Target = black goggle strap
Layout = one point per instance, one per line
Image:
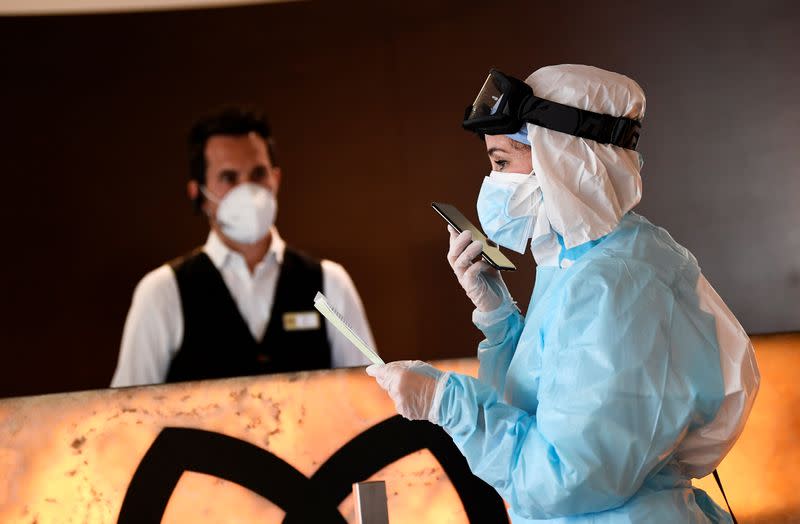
(605, 129)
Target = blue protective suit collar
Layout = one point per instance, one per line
(572, 254)
(552, 250)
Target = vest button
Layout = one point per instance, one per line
(263, 359)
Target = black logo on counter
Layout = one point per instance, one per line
(302, 499)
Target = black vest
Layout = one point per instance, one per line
(217, 342)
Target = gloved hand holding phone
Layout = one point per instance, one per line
(482, 283)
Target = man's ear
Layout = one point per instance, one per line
(195, 195)
(193, 190)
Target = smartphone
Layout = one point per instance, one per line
(491, 253)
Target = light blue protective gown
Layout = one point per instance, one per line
(581, 404)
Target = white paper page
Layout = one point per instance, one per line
(322, 305)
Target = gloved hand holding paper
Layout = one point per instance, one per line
(335, 318)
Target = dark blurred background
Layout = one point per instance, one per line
(365, 100)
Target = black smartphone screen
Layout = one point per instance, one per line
(491, 253)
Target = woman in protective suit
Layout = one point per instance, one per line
(628, 376)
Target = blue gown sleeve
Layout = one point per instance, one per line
(502, 329)
(612, 401)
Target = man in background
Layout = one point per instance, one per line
(242, 304)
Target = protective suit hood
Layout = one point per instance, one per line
(587, 186)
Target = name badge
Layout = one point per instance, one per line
(301, 321)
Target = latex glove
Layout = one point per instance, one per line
(412, 385)
(482, 283)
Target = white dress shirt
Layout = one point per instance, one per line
(154, 328)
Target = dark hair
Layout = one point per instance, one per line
(231, 121)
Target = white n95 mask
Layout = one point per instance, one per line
(507, 207)
(246, 213)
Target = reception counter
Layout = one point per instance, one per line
(287, 448)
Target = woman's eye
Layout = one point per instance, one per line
(500, 164)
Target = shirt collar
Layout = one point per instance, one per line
(219, 253)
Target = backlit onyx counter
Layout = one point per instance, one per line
(287, 448)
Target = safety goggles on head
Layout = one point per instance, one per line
(505, 103)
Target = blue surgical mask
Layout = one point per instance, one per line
(507, 207)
